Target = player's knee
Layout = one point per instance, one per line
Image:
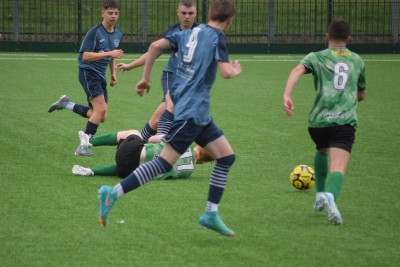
(104, 117)
(227, 161)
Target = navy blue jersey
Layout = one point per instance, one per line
(172, 60)
(199, 51)
(99, 40)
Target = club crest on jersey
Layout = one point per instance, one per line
(116, 42)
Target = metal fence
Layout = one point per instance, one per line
(257, 21)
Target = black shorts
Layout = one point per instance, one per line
(341, 136)
(127, 156)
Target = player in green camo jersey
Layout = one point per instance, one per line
(131, 153)
(338, 75)
(339, 80)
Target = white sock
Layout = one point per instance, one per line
(70, 106)
(210, 207)
(119, 189)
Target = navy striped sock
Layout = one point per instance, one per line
(146, 132)
(144, 173)
(219, 178)
(81, 110)
(165, 122)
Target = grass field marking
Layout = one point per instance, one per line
(25, 55)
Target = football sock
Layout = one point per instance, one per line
(211, 207)
(144, 173)
(335, 182)
(91, 128)
(105, 140)
(321, 170)
(165, 122)
(146, 132)
(119, 190)
(81, 110)
(218, 180)
(107, 170)
(70, 106)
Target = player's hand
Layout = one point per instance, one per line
(237, 67)
(113, 81)
(142, 86)
(288, 106)
(117, 53)
(122, 67)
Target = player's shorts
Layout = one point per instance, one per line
(341, 136)
(127, 156)
(166, 81)
(92, 84)
(183, 133)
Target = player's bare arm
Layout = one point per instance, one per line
(155, 50)
(230, 69)
(134, 64)
(94, 56)
(294, 76)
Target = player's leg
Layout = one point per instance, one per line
(142, 175)
(146, 172)
(150, 128)
(167, 117)
(339, 159)
(223, 152)
(111, 139)
(321, 173)
(97, 96)
(341, 143)
(321, 139)
(97, 115)
(105, 170)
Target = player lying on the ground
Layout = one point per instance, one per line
(132, 152)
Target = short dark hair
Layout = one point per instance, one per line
(339, 30)
(187, 3)
(221, 10)
(110, 4)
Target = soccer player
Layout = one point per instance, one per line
(200, 52)
(131, 153)
(98, 50)
(339, 79)
(186, 13)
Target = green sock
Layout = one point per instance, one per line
(105, 140)
(321, 170)
(106, 170)
(335, 182)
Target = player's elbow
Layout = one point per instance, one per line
(361, 95)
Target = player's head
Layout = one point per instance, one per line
(110, 12)
(187, 11)
(339, 30)
(110, 4)
(221, 10)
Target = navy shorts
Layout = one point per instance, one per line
(93, 84)
(183, 133)
(341, 136)
(127, 156)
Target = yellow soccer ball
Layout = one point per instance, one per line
(302, 177)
